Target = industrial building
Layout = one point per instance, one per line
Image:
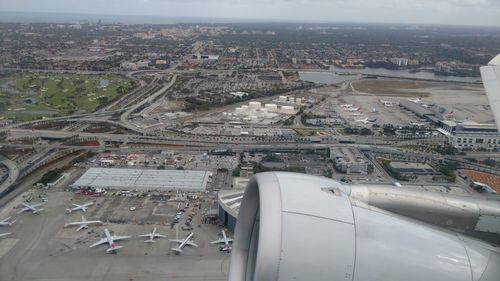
(471, 135)
(143, 179)
(411, 168)
(349, 160)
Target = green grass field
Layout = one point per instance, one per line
(36, 95)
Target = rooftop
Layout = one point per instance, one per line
(143, 179)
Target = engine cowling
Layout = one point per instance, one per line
(301, 227)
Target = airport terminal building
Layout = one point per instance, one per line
(229, 205)
(471, 135)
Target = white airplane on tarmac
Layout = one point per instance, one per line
(111, 241)
(152, 235)
(367, 120)
(182, 243)
(77, 207)
(31, 208)
(5, 234)
(415, 100)
(7, 222)
(83, 224)
(351, 109)
(225, 241)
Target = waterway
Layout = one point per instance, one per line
(338, 75)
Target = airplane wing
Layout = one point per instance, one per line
(160, 235)
(72, 223)
(100, 242)
(491, 81)
(218, 241)
(5, 220)
(4, 234)
(144, 235)
(116, 238)
(23, 210)
(190, 243)
(36, 205)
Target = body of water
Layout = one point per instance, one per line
(339, 75)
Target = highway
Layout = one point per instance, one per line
(124, 117)
(13, 174)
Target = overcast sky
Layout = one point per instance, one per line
(463, 12)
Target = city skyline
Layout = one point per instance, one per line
(449, 12)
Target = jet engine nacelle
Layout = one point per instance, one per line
(300, 227)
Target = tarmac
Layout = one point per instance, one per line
(41, 249)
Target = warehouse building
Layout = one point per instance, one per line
(143, 179)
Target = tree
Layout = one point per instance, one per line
(366, 132)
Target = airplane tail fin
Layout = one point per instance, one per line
(176, 250)
(113, 248)
(81, 227)
(12, 222)
(69, 210)
(38, 211)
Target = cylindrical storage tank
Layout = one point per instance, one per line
(298, 100)
(301, 227)
(238, 111)
(286, 109)
(291, 100)
(271, 107)
(254, 105)
(282, 98)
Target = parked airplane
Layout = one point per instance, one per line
(225, 240)
(388, 103)
(152, 235)
(7, 222)
(351, 109)
(82, 224)
(31, 208)
(417, 124)
(77, 207)
(182, 243)
(415, 100)
(347, 105)
(5, 234)
(367, 120)
(111, 241)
